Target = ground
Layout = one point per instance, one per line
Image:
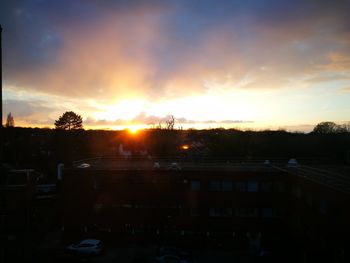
(52, 250)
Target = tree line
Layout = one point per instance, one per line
(70, 120)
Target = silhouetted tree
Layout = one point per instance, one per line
(69, 121)
(10, 122)
(326, 127)
(344, 127)
(170, 123)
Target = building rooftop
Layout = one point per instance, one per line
(169, 164)
(334, 176)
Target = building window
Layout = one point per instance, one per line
(194, 212)
(97, 207)
(252, 186)
(223, 186)
(323, 206)
(267, 212)
(280, 187)
(266, 187)
(247, 212)
(309, 199)
(240, 186)
(195, 185)
(280, 212)
(220, 212)
(215, 186)
(296, 191)
(226, 186)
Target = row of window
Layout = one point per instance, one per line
(298, 192)
(242, 236)
(266, 212)
(229, 186)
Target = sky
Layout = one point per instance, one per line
(252, 64)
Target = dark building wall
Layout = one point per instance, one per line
(200, 201)
(208, 203)
(16, 204)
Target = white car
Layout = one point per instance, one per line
(86, 247)
(170, 259)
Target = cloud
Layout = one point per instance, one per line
(327, 78)
(31, 112)
(115, 50)
(228, 121)
(345, 89)
(144, 119)
(24, 109)
(337, 62)
(158, 51)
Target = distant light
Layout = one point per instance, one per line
(185, 147)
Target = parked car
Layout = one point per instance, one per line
(170, 259)
(265, 256)
(143, 259)
(86, 247)
(168, 250)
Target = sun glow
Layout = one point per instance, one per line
(133, 129)
(124, 109)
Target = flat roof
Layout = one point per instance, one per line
(334, 176)
(169, 164)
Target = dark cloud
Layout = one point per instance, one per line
(159, 50)
(24, 109)
(165, 48)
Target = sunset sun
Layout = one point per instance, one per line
(133, 129)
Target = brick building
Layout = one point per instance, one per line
(249, 206)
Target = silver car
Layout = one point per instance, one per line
(86, 247)
(170, 259)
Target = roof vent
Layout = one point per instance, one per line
(174, 166)
(156, 165)
(267, 162)
(83, 165)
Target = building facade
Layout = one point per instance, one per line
(248, 206)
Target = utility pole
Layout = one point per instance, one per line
(1, 128)
(2, 235)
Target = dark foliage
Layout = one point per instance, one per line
(329, 127)
(69, 121)
(43, 149)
